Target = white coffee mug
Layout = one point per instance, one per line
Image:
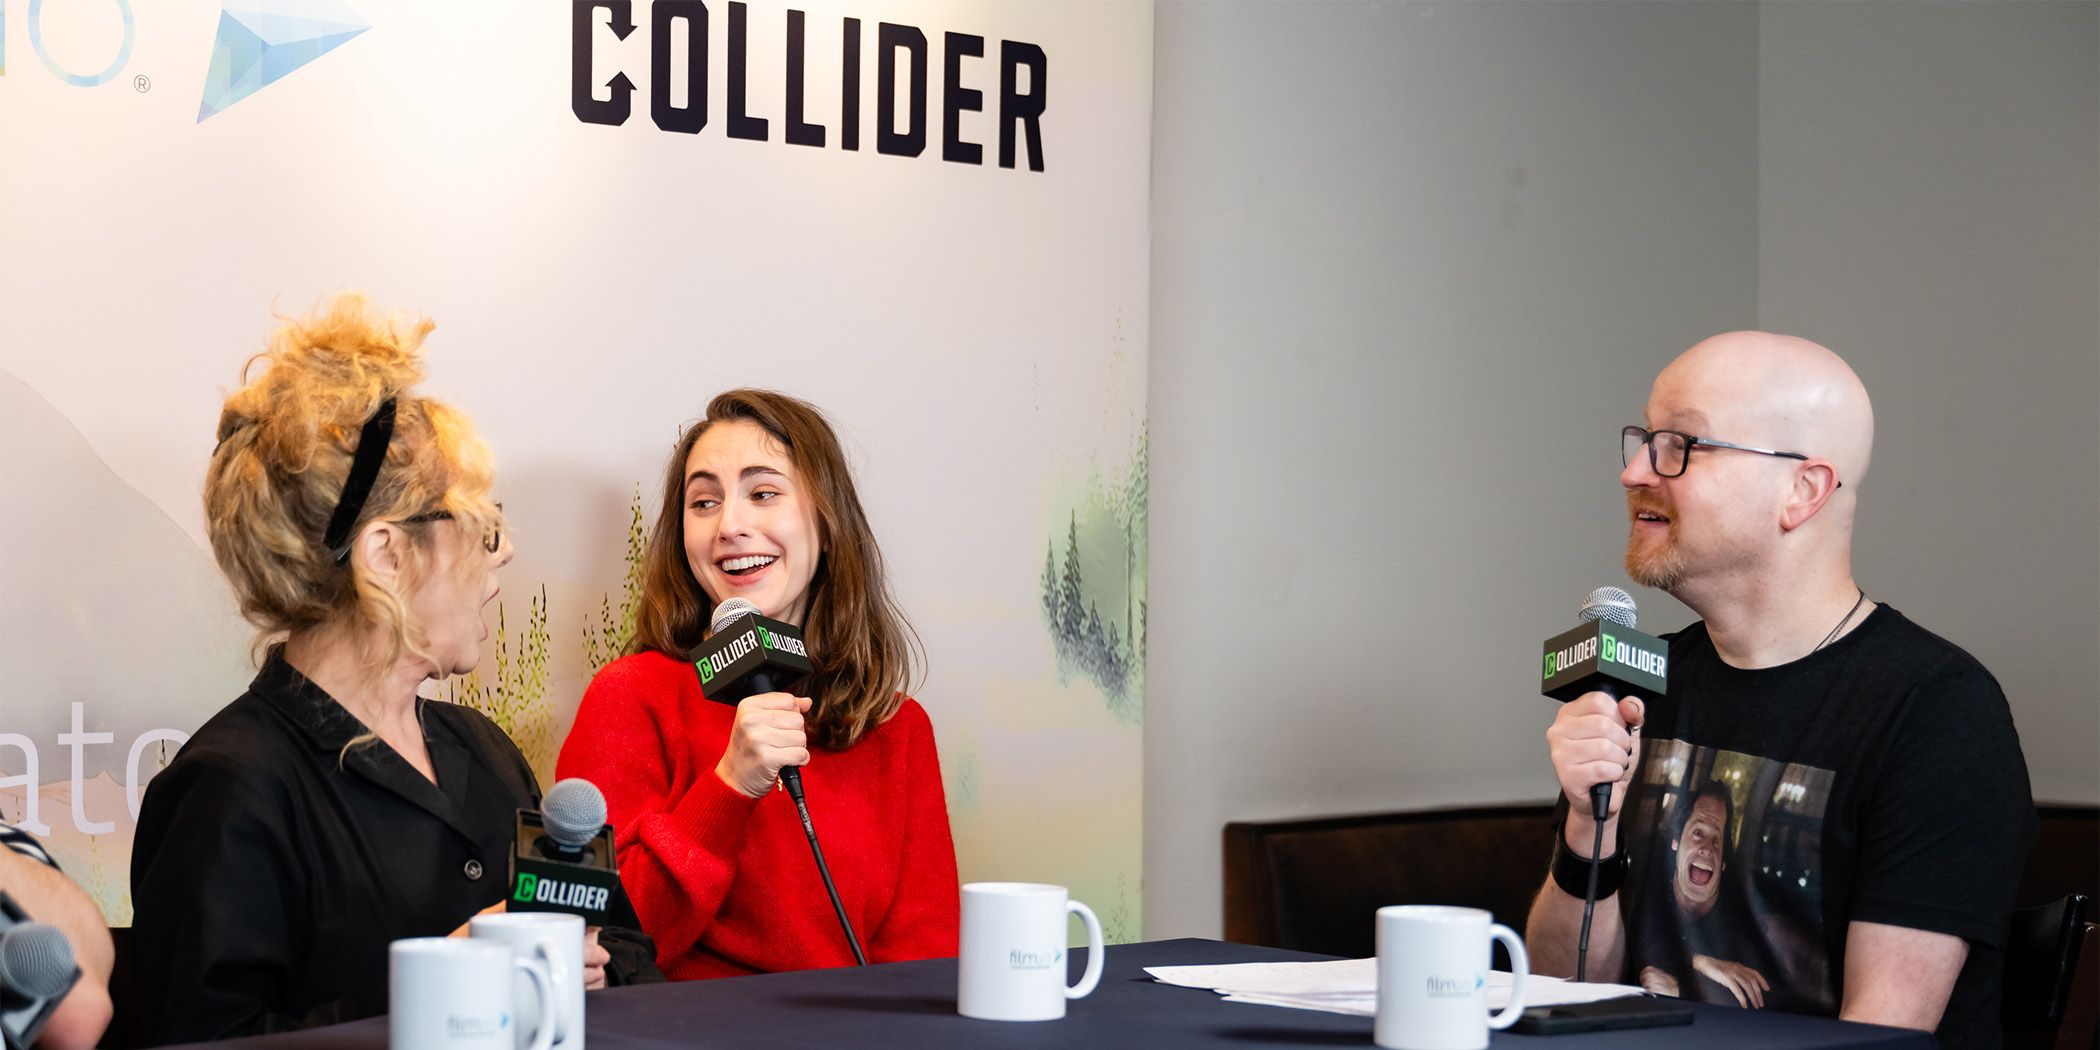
(556, 941)
(454, 993)
(1433, 964)
(1013, 951)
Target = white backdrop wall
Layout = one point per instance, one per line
(977, 333)
(1413, 266)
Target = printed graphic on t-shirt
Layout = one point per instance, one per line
(1725, 888)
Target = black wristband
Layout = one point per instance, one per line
(1572, 873)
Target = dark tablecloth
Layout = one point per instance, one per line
(913, 1005)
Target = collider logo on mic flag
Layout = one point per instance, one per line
(1579, 660)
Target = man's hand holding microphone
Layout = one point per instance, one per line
(1595, 740)
(1598, 671)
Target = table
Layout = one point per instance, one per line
(913, 1005)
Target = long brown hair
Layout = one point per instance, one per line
(865, 653)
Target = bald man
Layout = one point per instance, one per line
(1879, 812)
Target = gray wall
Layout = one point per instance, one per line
(1415, 264)
(1930, 207)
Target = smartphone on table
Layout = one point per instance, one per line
(1633, 1011)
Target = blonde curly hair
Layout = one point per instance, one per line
(286, 441)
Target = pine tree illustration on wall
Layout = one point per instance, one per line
(1103, 645)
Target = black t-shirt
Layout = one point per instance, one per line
(1876, 780)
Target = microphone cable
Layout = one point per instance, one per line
(1600, 805)
(1615, 606)
(791, 779)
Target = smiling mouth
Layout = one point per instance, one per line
(745, 565)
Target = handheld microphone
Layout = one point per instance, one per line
(563, 860)
(1604, 655)
(738, 661)
(573, 811)
(36, 972)
(746, 654)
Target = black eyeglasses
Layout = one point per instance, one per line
(1670, 451)
(492, 541)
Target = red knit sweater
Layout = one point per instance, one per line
(725, 883)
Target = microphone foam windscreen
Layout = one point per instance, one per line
(733, 609)
(1610, 603)
(573, 811)
(36, 960)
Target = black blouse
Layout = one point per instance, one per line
(271, 868)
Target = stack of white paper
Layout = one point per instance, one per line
(1350, 986)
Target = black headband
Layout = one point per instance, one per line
(372, 441)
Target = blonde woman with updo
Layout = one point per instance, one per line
(329, 809)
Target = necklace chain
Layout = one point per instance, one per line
(1849, 614)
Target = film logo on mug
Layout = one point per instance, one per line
(1013, 951)
(1041, 959)
(476, 1026)
(450, 993)
(1432, 978)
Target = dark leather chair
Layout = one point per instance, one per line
(2066, 855)
(2080, 1027)
(2042, 961)
(1314, 885)
(2052, 985)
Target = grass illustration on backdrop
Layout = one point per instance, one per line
(962, 784)
(105, 878)
(1094, 597)
(604, 639)
(1117, 924)
(514, 695)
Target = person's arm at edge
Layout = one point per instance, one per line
(49, 897)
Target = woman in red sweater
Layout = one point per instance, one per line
(758, 504)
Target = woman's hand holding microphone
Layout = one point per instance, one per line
(766, 737)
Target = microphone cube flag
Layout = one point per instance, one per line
(584, 886)
(748, 652)
(1603, 655)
